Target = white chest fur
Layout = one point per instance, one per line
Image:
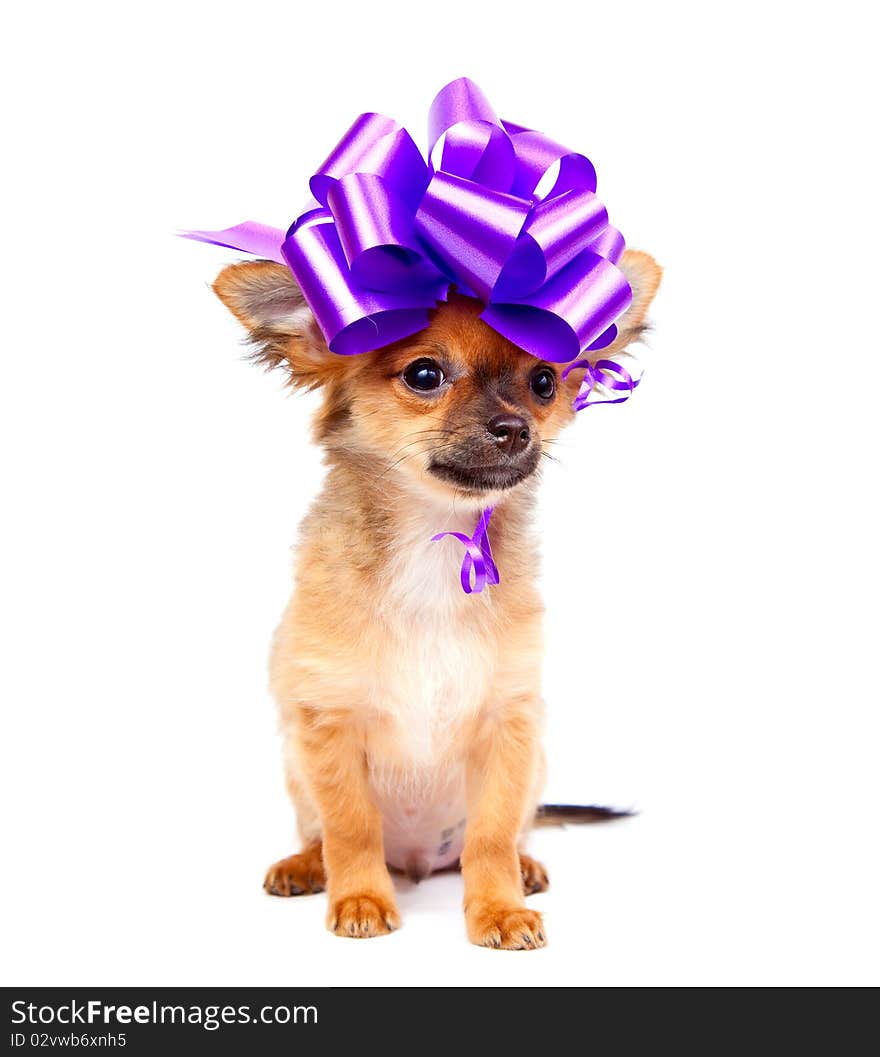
(439, 657)
(435, 673)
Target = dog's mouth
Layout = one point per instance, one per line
(483, 478)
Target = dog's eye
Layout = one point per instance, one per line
(543, 383)
(424, 375)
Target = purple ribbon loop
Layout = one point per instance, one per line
(557, 230)
(477, 556)
(357, 319)
(568, 314)
(378, 146)
(377, 234)
(471, 228)
(507, 214)
(540, 159)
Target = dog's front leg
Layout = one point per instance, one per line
(361, 895)
(501, 773)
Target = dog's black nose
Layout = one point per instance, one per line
(511, 433)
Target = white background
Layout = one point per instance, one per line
(711, 569)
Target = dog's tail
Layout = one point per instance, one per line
(562, 814)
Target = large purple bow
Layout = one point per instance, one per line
(506, 214)
(503, 212)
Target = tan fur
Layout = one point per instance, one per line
(395, 688)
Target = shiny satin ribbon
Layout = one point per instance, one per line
(503, 212)
(478, 567)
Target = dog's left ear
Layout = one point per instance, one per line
(643, 274)
(265, 297)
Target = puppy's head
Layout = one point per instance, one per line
(456, 409)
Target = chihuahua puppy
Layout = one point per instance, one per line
(411, 711)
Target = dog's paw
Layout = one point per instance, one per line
(504, 927)
(534, 876)
(362, 916)
(297, 875)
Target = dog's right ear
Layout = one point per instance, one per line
(265, 297)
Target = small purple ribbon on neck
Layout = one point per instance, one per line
(477, 556)
(503, 212)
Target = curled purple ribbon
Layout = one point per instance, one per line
(502, 211)
(607, 373)
(477, 556)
